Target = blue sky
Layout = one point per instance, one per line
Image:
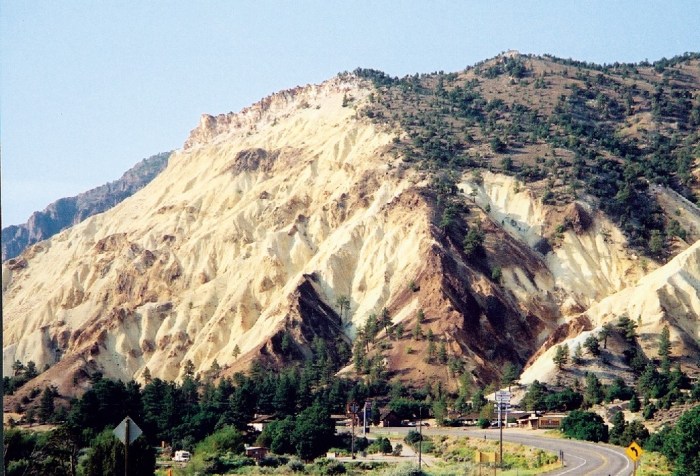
(88, 88)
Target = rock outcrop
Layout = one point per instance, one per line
(66, 212)
(268, 216)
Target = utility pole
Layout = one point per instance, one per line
(500, 427)
(503, 404)
(420, 432)
(353, 407)
(364, 419)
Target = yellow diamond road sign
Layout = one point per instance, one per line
(634, 451)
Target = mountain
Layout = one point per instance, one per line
(66, 212)
(439, 225)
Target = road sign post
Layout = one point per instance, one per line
(503, 402)
(634, 451)
(127, 432)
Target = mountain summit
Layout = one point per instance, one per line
(433, 227)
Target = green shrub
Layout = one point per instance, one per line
(295, 465)
(585, 426)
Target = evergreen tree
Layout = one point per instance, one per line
(511, 373)
(473, 242)
(683, 443)
(593, 393)
(417, 332)
(189, 368)
(431, 351)
(605, 332)
(618, 428)
(343, 303)
(442, 353)
(313, 431)
(385, 320)
(628, 328)
(634, 431)
(591, 343)
(46, 406)
(478, 400)
(534, 398)
(585, 426)
(665, 346)
(375, 413)
(634, 405)
(561, 356)
(618, 390)
(371, 328)
(106, 457)
(30, 372)
(578, 355)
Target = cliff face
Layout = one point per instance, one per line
(267, 217)
(67, 212)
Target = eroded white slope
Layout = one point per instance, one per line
(669, 296)
(583, 266)
(205, 258)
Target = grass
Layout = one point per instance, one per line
(653, 464)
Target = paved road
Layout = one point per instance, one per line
(580, 457)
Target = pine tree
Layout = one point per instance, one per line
(188, 368)
(343, 303)
(618, 428)
(236, 352)
(385, 319)
(605, 332)
(46, 406)
(561, 356)
(417, 331)
(398, 331)
(591, 343)
(442, 353)
(593, 393)
(665, 347)
(634, 405)
(431, 352)
(511, 372)
(578, 355)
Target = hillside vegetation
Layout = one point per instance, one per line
(565, 127)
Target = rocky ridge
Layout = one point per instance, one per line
(69, 211)
(266, 217)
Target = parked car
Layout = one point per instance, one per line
(182, 456)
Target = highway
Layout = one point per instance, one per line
(580, 457)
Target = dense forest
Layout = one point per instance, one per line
(212, 414)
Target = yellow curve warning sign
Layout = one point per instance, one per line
(634, 451)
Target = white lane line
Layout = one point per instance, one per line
(623, 471)
(575, 467)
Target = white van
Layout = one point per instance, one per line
(182, 456)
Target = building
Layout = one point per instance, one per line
(550, 422)
(256, 452)
(545, 421)
(261, 421)
(389, 418)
